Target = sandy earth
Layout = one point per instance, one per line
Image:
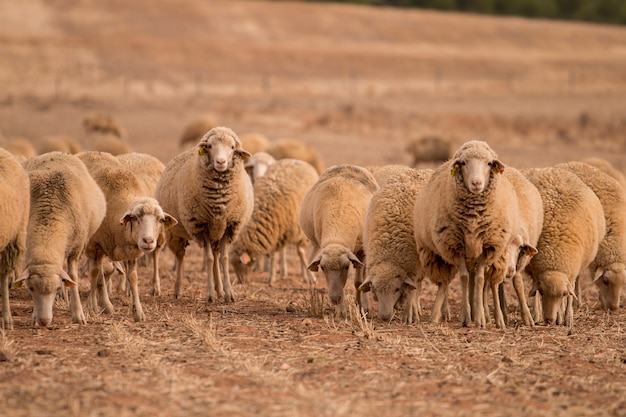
(357, 83)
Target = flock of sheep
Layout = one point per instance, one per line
(243, 202)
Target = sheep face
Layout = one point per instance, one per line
(242, 264)
(610, 281)
(219, 148)
(43, 283)
(144, 221)
(391, 288)
(335, 260)
(517, 255)
(474, 163)
(553, 287)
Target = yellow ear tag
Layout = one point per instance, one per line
(201, 151)
(455, 170)
(68, 284)
(18, 284)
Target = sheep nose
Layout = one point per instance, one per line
(148, 240)
(44, 322)
(335, 299)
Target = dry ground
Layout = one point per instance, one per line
(357, 83)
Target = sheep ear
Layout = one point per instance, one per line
(570, 290)
(356, 263)
(529, 250)
(18, 282)
(497, 167)
(366, 286)
(409, 283)
(456, 167)
(169, 221)
(245, 155)
(245, 258)
(313, 266)
(126, 218)
(596, 276)
(67, 281)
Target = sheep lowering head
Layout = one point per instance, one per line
(335, 262)
(609, 280)
(474, 163)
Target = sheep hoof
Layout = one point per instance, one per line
(229, 298)
(8, 323)
(139, 316)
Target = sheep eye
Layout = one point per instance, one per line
(346, 267)
(605, 281)
(31, 288)
(322, 268)
(397, 289)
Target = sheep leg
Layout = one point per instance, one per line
(537, 310)
(440, 299)
(487, 313)
(78, 315)
(103, 287)
(307, 275)
(497, 311)
(131, 271)
(577, 301)
(156, 279)
(569, 311)
(518, 284)
(479, 285)
(92, 302)
(465, 305)
(503, 306)
(282, 259)
(411, 312)
(272, 271)
(7, 319)
(180, 257)
(210, 281)
(362, 299)
(229, 297)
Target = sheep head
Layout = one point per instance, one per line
(144, 221)
(553, 287)
(610, 281)
(474, 163)
(390, 288)
(220, 147)
(335, 260)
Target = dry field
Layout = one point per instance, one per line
(357, 83)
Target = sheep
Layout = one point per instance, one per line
(60, 143)
(606, 167)
(19, 146)
(429, 149)
(258, 164)
(111, 144)
(66, 209)
(102, 123)
(207, 189)
(573, 228)
(194, 131)
(14, 210)
(148, 170)
(608, 269)
(131, 227)
(464, 218)
(332, 215)
(392, 266)
(254, 142)
(274, 221)
(290, 148)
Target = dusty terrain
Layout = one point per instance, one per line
(357, 83)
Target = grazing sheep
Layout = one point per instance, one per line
(58, 143)
(608, 168)
(332, 215)
(429, 149)
(14, 209)
(464, 219)
(102, 123)
(254, 142)
(148, 170)
(274, 222)
(19, 146)
(131, 227)
(207, 189)
(66, 209)
(111, 144)
(290, 148)
(258, 164)
(194, 131)
(393, 270)
(608, 269)
(573, 227)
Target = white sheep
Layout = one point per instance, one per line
(295, 149)
(429, 149)
(148, 170)
(58, 143)
(111, 144)
(393, 271)
(103, 123)
(207, 189)
(14, 209)
(608, 168)
(274, 222)
(131, 227)
(66, 209)
(464, 220)
(258, 164)
(573, 228)
(608, 269)
(332, 215)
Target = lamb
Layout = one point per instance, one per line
(131, 227)
(573, 228)
(207, 189)
(464, 220)
(290, 148)
(332, 216)
(274, 222)
(195, 130)
(606, 167)
(429, 149)
(608, 269)
(66, 209)
(254, 142)
(393, 269)
(14, 209)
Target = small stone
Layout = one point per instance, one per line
(285, 366)
(291, 308)
(103, 353)
(307, 322)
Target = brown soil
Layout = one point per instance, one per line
(357, 83)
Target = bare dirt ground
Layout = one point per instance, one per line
(357, 83)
